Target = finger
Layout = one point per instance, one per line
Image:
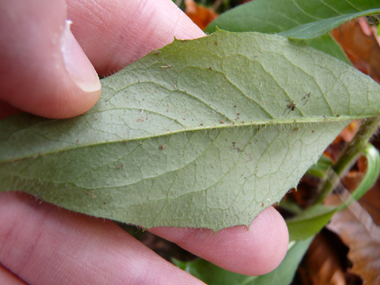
(8, 278)
(43, 70)
(115, 33)
(256, 251)
(40, 243)
(7, 110)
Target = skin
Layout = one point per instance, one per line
(40, 242)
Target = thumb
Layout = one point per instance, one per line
(43, 69)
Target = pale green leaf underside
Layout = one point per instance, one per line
(217, 168)
(301, 19)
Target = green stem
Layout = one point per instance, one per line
(349, 156)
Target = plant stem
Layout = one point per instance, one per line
(348, 156)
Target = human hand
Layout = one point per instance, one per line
(43, 244)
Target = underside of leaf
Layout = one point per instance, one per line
(202, 133)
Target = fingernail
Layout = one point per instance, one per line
(76, 62)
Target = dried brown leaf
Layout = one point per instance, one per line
(323, 263)
(361, 48)
(200, 15)
(358, 231)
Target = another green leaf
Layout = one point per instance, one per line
(301, 19)
(203, 133)
(309, 222)
(214, 275)
(318, 28)
(310, 20)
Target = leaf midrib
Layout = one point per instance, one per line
(280, 121)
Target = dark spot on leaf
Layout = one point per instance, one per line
(291, 106)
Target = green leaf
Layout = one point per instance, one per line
(165, 144)
(231, 21)
(214, 275)
(309, 222)
(322, 26)
(301, 19)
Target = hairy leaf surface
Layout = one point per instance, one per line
(202, 133)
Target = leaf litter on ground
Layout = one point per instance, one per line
(357, 230)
